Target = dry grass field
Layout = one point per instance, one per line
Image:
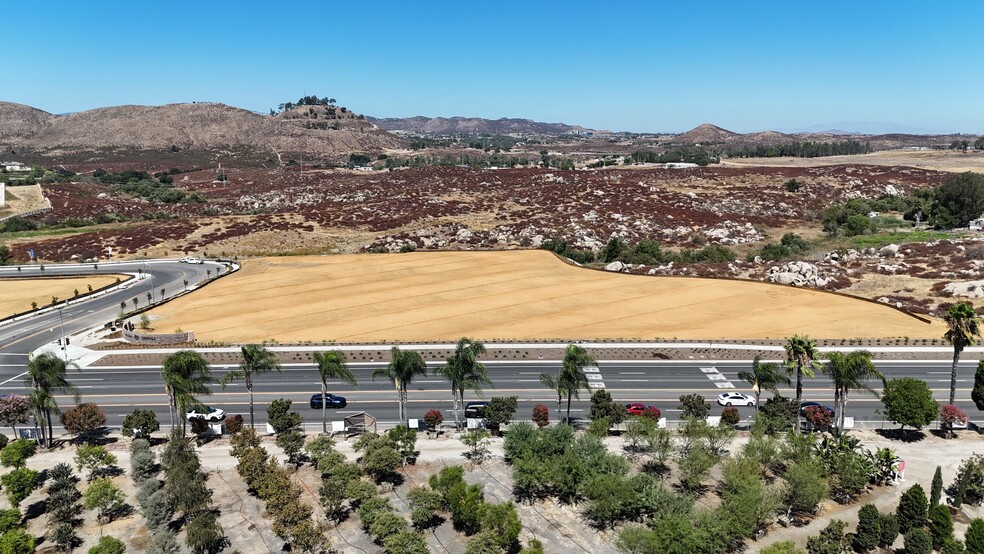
(941, 160)
(528, 294)
(16, 295)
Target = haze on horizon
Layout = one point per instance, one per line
(903, 66)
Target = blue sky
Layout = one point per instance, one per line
(635, 66)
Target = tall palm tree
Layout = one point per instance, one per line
(403, 367)
(763, 376)
(257, 360)
(46, 376)
(464, 371)
(801, 359)
(331, 365)
(850, 373)
(571, 378)
(963, 326)
(185, 374)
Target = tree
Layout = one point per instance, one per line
(850, 373)
(19, 483)
(433, 418)
(940, 524)
(953, 546)
(499, 412)
(963, 327)
(331, 365)
(830, 540)
(463, 371)
(204, 533)
(693, 406)
(104, 496)
(140, 423)
(257, 360)
(404, 440)
(912, 510)
(602, 406)
(909, 401)
(186, 375)
(975, 536)
(959, 199)
(281, 418)
(950, 415)
(806, 485)
(108, 545)
(14, 409)
(763, 377)
(977, 393)
(17, 541)
(292, 443)
(83, 419)
(46, 377)
(936, 491)
(888, 530)
(403, 367)
(477, 441)
(801, 359)
(918, 541)
(541, 415)
(570, 379)
(406, 542)
(869, 529)
(94, 458)
(63, 534)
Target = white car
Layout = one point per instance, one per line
(195, 261)
(735, 399)
(207, 413)
(183, 259)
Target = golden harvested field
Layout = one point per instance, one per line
(16, 295)
(527, 294)
(943, 160)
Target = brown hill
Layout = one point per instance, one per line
(473, 125)
(705, 133)
(197, 126)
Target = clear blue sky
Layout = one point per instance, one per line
(636, 66)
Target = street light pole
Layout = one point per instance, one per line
(64, 346)
(151, 283)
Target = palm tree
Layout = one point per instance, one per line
(331, 365)
(963, 326)
(850, 373)
(464, 371)
(185, 374)
(801, 359)
(46, 376)
(571, 379)
(763, 376)
(257, 360)
(403, 367)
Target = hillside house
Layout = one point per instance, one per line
(14, 166)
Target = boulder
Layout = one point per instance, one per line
(890, 190)
(889, 250)
(786, 278)
(965, 289)
(616, 266)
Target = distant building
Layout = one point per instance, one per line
(14, 166)
(3, 195)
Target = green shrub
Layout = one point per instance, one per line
(17, 452)
(940, 524)
(869, 528)
(912, 510)
(108, 545)
(693, 406)
(888, 530)
(918, 541)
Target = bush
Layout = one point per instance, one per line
(96, 459)
(909, 402)
(940, 524)
(541, 415)
(204, 534)
(830, 540)
(975, 536)
(819, 417)
(693, 406)
(17, 541)
(912, 509)
(143, 466)
(602, 406)
(83, 419)
(918, 541)
(869, 528)
(103, 495)
(433, 418)
(953, 546)
(291, 442)
(234, 424)
(806, 486)
(108, 545)
(730, 416)
(888, 530)
(140, 423)
(968, 487)
(19, 483)
(17, 452)
(9, 519)
(3, 440)
(949, 416)
(280, 416)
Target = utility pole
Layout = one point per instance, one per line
(64, 343)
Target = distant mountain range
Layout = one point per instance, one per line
(473, 125)
(712, 134)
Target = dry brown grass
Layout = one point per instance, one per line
(506, 295)
(942, 160)
(16, 295)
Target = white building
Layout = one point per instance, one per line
(3, 195)
(15, 166)
(976, 224)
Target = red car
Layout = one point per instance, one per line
(638, 408)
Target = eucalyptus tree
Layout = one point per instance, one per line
(963, 327)
(403, 367)
(257, 360)
(570, 380)
(186, 375)
(764, 377)
(463, 371)
(331, 365)
(45, 376)
(850, 373)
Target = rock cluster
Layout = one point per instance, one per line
(965, 289)
(800, 274)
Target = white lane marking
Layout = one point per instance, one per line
(596, 385)
(726, 385)
(593, 377)
(631, 372)
(717, 377)
(709, 369)
(12, 378)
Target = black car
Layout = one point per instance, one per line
(811, 404)
(333, 401)
(475, 410)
